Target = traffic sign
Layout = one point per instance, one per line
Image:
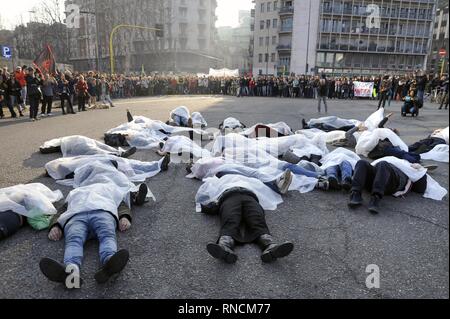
(442, 53)
(6, 52)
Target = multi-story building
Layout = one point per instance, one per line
(186, 43)
(438, 64)
(233, 44)
(347, 36)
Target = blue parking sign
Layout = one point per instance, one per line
(6, 52)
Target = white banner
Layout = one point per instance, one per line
(224, 72)
(363, 89)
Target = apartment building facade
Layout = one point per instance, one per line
(187, 41)
(438, 64)
(347, 36)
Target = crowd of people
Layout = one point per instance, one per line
(28, 86)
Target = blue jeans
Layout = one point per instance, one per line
(297, 170)
(340, 172)
(89, 225)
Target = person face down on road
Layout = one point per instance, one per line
(99, 204)
(31, 204)
(236, 199)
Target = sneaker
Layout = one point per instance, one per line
(138, 198)
(113, 266)
(323, 185)
(50, 114)
(355, 200)
(334, 183)
(284, 181)
(374, 205)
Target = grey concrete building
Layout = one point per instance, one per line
(187, 42)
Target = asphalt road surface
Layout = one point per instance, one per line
(409, 241)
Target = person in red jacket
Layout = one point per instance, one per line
(82, 93)
(20, 78)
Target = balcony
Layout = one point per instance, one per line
(285, 29)
(284, 47)
(286, 11)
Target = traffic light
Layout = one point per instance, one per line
(160, 31)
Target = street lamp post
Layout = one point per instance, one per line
(307, 44)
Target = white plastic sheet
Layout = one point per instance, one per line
(30, 200)
(439, 154)
(214, 187)
(81, 145)
(338, 156)
(415, 172)
(369, 140)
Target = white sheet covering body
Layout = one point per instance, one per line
(415, 172)
(136, 171)
(441, 134)
(98, 186)
(214, 187)
(81, 145)
(30, 200)
(439, 154)
(368, 140)
(145, 133)
(333, 121)
(280, 127)
(184, 145)
(338, 156)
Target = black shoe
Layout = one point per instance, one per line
(347, 184)
(355, 200)
(129, 153)
(305, 125)
(138, 199)
(53, 270)
(223, 250)
(316, 159)
(113, 266)
(165, 163)
(272, 251)
(334, 183)
(129, 116)
(374, 205)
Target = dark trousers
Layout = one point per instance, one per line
(242, 210)
(383, 99)
(382, 179)
(10, 223)
(426, 145)
(379, 180)
(81, 103)
(34, 106)
(47, 104)
(65, 97)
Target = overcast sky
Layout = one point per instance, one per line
(17, 11)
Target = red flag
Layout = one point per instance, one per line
(45, 62)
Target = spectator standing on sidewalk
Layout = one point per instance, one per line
(81, 90)
(48, 90)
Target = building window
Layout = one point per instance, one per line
(261, 41)
(275, 23)
(267, 41)
(266, 57)
(275, 5)
(260, 58)
(272, 58)
(267, 24)
(263, 5)
(268, 6)
(274, 40)
(261, 24)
